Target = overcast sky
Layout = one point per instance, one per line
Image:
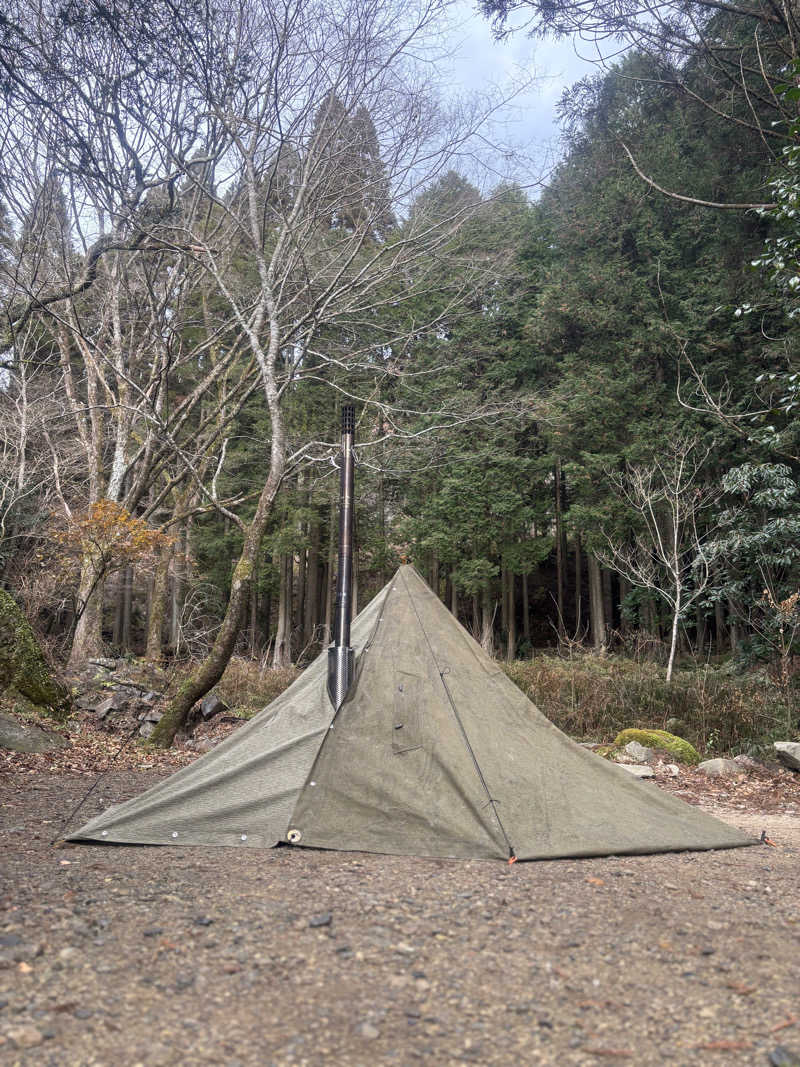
(479, 60)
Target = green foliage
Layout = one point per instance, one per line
(596, 697)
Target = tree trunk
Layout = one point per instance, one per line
(476, 616)
(254, 630)
(511, 646)
(453, 597)
(578, 584)
(700, 630)
(87, 640)
(180, 581)
(119, 609)
(211, 669)
(673, 645)
(503, 599)
(608, 599)
(559, 545)
(733, 626)
(719, 625)
(526, 613)
(596, 610)
(154, 648)
(435, 572)
(282, 653)
(487, 636)
(311, 618)
(624, 589)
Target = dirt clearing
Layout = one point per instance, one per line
(161, 956)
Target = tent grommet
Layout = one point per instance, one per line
(293, 836)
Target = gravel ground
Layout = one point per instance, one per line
(161, 956)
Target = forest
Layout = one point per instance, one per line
(576, 398)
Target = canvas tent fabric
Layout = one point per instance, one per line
(435, 752)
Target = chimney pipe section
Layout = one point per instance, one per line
(341, 659)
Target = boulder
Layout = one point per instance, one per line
(720, 768)
(114, 702)
(637, 770)
(679, 749)
(637, 752)
(104, 662)
(24, 737)
(149, 723)
(22, 663)
(788, 752)
(211, 705)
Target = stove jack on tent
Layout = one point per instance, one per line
(341, 657)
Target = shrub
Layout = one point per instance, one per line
(595, 697)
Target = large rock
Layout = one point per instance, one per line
(211, 706)
(24, 737)
(788, 753)
(22, 664)
(116, 702)
(637, 770)
(638, 752)
(720, 768)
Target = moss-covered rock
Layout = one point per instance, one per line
(676, 746)
(22, 663)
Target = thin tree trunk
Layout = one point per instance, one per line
(608, 598)
(503, 599)
(673, 645)
(511, 646)
(578, 585)
(700, 631)
(154, 648)
(487, 636)
(435, 572)
(453, 597)
(719, 625)
(119, 609)
(559, 544)
(281, 655)
(476, 615)
(312, 581)
(596, 610)
(526, 613)
(733, 626)
(212, 667)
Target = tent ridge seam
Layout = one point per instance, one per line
(442, 672)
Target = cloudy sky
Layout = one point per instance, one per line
(479, 60)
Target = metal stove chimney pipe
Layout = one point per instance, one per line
(341, 659)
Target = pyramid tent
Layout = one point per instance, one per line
(435, 752)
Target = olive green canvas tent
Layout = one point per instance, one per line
(435, 752)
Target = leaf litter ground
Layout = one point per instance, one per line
(161, 956)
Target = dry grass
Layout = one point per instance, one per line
(247, 686)
(594, 697)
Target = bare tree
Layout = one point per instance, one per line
(666, 552)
